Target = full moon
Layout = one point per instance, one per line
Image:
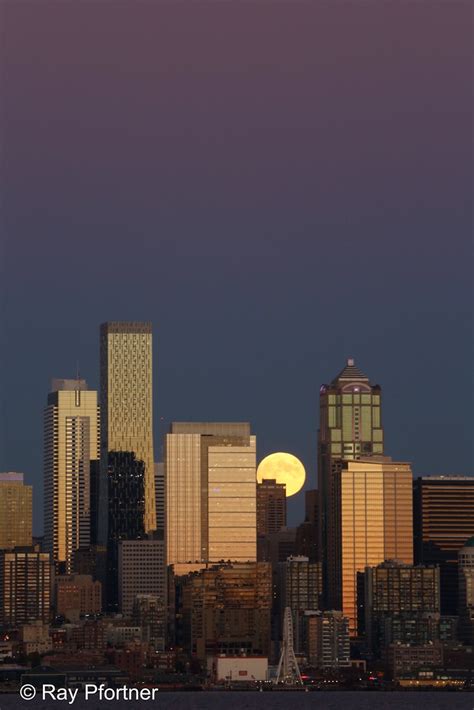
(284, 468)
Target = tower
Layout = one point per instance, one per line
(373, 522)
(126, 407)
(350, 427)
(71, 445)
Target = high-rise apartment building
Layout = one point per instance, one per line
(443, 517)
(25, 586)
(373, 501)
(16, 517)
(71, 445)
(299, 589)
(126, 400)
(350, 427)
(326, 639)
(398, 598)
(211, 513)
(224, 609)
(271, 506)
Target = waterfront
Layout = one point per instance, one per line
(330, 700)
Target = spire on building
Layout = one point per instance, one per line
(350, 373)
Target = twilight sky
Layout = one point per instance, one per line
(276, 185)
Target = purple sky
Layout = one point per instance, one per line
(276, 185)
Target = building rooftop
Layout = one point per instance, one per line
(350, 373)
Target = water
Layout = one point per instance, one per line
(228, 700)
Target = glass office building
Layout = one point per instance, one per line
(126, 398)
(210, 481)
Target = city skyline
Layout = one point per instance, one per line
(272, 212)
(160, 428)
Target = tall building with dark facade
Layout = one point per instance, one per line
(443, 519)
(350, 427)
(271, 506)
(300, 589)
(126, 506)
(399, 601)
(126, 401)
(160, 496)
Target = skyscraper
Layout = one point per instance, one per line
(16, 517)
(373, 500)
(126, 507)
(126, 405)
(210, 493)
(71, 443)
(271, 506)
(350, 427)
(443, 517)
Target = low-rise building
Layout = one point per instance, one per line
(35, 638)
(238, 669)
(405, 659)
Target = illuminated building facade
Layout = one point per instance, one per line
(16, 516)
(373, 498)
(271, 506)
(210, 481)
(350, 427)
(443, 518)
(25, 586)
(71, 445)
(126, 406)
